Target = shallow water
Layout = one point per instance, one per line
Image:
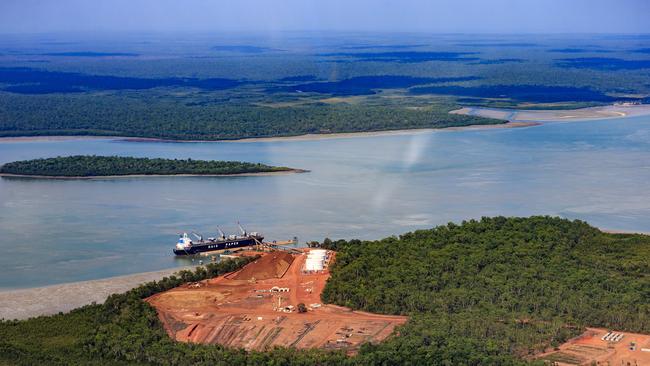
(55, 231)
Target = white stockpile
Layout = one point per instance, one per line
(315, 260)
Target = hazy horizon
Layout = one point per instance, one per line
(253, 16)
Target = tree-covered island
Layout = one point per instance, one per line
(86, 166)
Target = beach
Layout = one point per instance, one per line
(306, 137)
(48, 300)
(516, 118)
(313, 137)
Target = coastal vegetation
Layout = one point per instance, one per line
(99, 166)
(204, 119)
(495, 288)
(210, 90)
(487, 292)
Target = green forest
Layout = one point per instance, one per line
(191, 87)
(98, 166)
(174, 120)
(496, 287)
(486, 292)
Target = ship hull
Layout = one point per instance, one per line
(209, 246)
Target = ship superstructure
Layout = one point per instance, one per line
(187, 246)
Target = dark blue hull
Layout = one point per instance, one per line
(208, 246)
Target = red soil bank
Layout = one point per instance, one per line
(272, 265)
(235, 310)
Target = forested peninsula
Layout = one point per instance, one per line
(89, 166)
(152, 118)
(496, 291)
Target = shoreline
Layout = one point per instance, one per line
(24, 303)
(558, 115)
(48, 300)
(99, 177)
(515, 118)
(401, 132)
(305, 137)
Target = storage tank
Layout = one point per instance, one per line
(313, 264)
(315, 260)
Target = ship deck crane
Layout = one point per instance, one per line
(243, 232)
(222, 235)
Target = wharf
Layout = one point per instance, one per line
(272, 245)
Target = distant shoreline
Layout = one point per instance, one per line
(305, 137)
(515, 118)
(615, 231)
(314, 137)
(61, 177)
(558, 115)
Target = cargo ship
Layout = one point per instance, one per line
(187, 246)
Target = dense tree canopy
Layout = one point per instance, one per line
(97, 166)
(198, 88)
(501, 285)
(488, 292)
(163, 118)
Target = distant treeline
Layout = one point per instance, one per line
(35, 81)
(524, 93)
(122, 116)
(97, 166)
(488, 292)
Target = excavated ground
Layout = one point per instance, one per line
(272, 265)
(239, 310)
(590, 349)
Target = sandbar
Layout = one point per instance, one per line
(556, 115)
(48, 300)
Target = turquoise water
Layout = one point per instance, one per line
(55, 231)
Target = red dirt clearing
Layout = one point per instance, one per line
(235, 310)
(589, 348)
(272, 265)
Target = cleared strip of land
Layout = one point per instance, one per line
(598, 346)
(259, 307)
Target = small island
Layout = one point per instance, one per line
(91, 166)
